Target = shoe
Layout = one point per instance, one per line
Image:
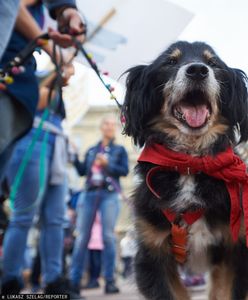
(195, 282)
(93, 284)
(111, 288)
(11, 287)
(63, 286)
(35, 288)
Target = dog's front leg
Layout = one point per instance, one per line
(157, 275)
(240, 265)
(221, 282)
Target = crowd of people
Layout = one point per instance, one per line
(33, 166)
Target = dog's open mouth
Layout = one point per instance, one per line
(193, 110)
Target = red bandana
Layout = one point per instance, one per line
(225, 166)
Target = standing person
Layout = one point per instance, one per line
(103, 165)
(18, 101)
(48, 202)
(128, 249)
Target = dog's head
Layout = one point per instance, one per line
(188, 97)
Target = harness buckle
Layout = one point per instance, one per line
(188, 171)
(179, 239)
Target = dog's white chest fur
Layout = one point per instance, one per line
(199, 239)
(199, 235)
(186, 193)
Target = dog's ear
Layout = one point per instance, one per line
(234, 102)
(137, 103)
(239, 103)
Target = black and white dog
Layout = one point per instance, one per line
(190, 102)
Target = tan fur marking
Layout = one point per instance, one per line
(176, 53)
(242, 233)
(221, 283)
(178, 289)
(155, 239)
(208, 55)
(192, 144)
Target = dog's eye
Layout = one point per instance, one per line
(172, 61)
(212, 63)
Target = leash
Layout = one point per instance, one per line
(94, 66)
(16, 65)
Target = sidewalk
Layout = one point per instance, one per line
(129, 292)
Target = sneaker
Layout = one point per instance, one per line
(93, 284)
(195, 282)
(111, 288)
(35, 288)
(63, 286)
(11, 287)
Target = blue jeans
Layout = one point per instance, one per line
(107, 203)
(51, 210)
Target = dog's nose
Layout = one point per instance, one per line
(197, 72)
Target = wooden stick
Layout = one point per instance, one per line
(102, 22)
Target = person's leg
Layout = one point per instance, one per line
(109, 209)
(124, 273)
(128, 266)
(86, 209)
(52, 232)
(36, 271)
(24, 210)
(95, 264)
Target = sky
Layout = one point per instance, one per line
(221, 23)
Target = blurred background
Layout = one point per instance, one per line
(124, 33)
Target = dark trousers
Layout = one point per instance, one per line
(36, 270)
(95, 264)
(128, 266)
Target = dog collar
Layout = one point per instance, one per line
(226, 166)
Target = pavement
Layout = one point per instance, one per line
(129, 292)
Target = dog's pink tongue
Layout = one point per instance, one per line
(195, 116)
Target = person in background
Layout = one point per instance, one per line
(103, 166)
(128, 249)
(18, 101)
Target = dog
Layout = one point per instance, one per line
(188, 104)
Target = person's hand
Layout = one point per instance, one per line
(102, 160)
(70, 24)
(68, 71)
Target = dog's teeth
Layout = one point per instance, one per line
(179, 115)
